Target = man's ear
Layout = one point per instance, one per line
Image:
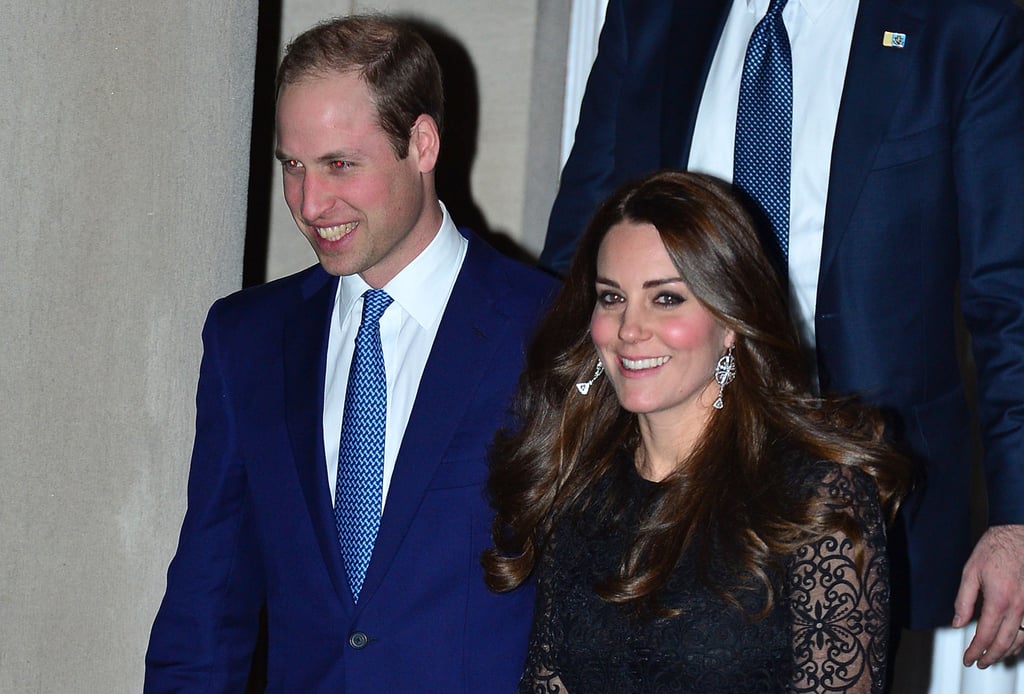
(425, 143)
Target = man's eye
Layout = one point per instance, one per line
(341, 165)
(291, 164)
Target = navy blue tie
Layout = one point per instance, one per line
(357, 496)
(764, 122)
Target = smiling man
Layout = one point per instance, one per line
(344, 412)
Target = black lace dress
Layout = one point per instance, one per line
(827, 632)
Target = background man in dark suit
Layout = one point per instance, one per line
(907, 186)
(271, 488)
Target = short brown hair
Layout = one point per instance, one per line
(394, 61)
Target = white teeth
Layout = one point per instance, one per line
(336, 232)
(638, 364)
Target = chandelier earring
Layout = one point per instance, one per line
(725, 372)
(584, 386)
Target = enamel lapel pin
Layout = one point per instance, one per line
(893, 39)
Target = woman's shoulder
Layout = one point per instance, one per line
(845, 499)
(840, 486)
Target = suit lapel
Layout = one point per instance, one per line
(875, 76)
(463, 348)
(692, 38)
(305, 354)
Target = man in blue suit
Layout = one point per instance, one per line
(358, 118)
(907, 188)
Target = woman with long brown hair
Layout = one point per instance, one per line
(695, 520)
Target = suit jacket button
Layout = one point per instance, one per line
(358, 640)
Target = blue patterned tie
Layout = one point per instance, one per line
(764, 122)
(357, 496)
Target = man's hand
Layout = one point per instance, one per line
(995, 571)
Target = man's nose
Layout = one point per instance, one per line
(316, 197)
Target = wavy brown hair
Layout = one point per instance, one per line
(730, 493)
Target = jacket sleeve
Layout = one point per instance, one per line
(204, 633)
(590, 173)
(988, 157)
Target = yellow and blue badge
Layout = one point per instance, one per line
(894, 39)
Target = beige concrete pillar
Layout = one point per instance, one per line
(124, 128)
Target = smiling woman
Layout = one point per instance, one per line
(676, 545)
(657, 342)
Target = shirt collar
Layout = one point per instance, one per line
(416, 287)
(812, 8)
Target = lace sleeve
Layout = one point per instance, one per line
(540, 676)
(841, 616)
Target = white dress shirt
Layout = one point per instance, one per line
(407, 330)
(820, 33)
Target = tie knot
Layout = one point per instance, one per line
(375, 302)
(775, 7)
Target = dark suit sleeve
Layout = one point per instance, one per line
(989, 172)
(205, 630)
(590, 173)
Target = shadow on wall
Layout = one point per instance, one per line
(458, 148)
(261, 164)
(459, 139)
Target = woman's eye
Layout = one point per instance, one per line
(608, 298)
(668, 299)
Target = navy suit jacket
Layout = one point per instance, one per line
(925, 198)
(260, 526)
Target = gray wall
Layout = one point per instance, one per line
(125, 134)
(125, 140)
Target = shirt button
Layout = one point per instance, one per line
(358, 640)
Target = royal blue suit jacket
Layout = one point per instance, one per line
(926, 196)
(260, 526)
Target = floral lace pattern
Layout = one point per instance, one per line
(828, 631)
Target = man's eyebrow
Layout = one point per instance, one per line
(337, 156)
(281, 155)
